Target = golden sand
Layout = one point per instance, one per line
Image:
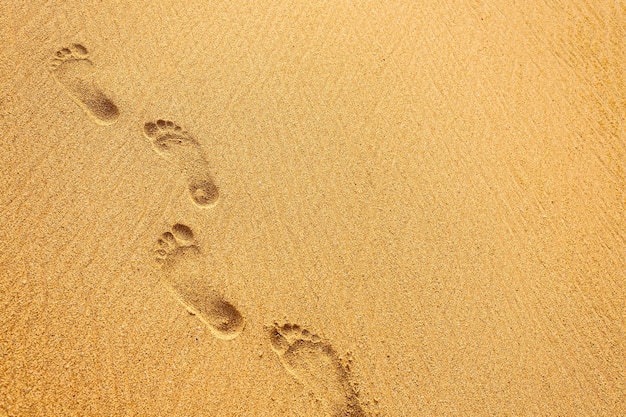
(313, 208)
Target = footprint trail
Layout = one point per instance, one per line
(176, 145)
(317, 366)
(186, 276)
(72, 68)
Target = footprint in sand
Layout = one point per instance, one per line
(74, 71)
(186, 276)
(177, 145)
(317, 366)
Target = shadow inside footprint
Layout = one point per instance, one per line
(186, 276)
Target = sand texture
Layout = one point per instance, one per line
(307, 208)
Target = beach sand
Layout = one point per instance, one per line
(312, 208)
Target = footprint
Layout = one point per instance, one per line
(177, 145)
(186, 276)
(317, 366)
(74, 71)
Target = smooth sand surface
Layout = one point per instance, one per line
(312, 208)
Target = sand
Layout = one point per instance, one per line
(313, 208)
